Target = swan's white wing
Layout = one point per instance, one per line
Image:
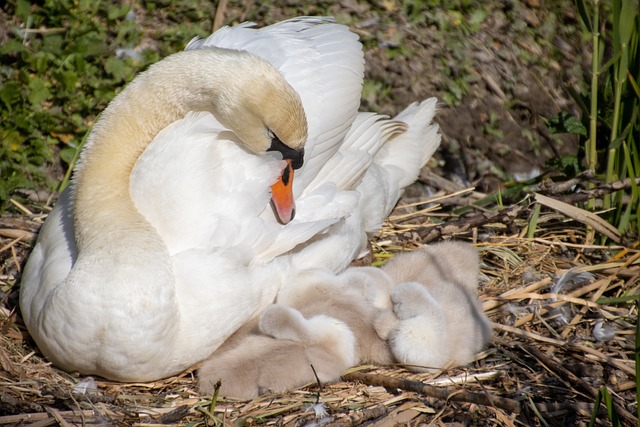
(187, 185)
(200, 190)
(368, 133)
(323, 63)
(398, 162)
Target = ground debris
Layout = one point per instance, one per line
(545, 295)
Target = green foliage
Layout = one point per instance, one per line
(63, 62)
(564, 122)
(568, 165)
(609, 126)
(605, 398)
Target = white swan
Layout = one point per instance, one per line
(165, 243)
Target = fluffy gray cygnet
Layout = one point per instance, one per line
(420, 309)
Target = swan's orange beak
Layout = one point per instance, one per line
(282, 195)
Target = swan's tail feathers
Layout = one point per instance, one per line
(411, 150)
(398, 163)
(368, 133)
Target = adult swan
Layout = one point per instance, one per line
(166, 243)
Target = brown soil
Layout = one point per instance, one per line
(496, 131)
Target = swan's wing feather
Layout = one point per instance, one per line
(398, 162)
(317, 212)
(368, 133)
(192, 165)
(410, 150)
(323, 63)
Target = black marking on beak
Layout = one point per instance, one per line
(288, 153)
(286, 176)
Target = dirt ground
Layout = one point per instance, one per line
(514, 80)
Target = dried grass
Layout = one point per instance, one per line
(544, 359)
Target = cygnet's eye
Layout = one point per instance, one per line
(288, 153)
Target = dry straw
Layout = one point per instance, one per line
(544, 294)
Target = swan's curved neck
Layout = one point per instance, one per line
(198, 80)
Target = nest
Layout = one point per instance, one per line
(563, 352)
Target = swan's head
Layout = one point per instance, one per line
(266, 114)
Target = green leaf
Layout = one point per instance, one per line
(68, 79)
(38, 91)
(477, 18)
(117, 68)
(68, 154)
(565, 122)
(22, 9)
(118, 12)
(10, 94)
(627, 18)
(53, 43)
(569, 165)
(582, 9)
(11, 47)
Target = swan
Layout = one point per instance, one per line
(166, 243)
(420, 309)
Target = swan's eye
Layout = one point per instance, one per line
(288, 153)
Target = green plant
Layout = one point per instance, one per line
(610, 127)
(605, 398)
(615, 102)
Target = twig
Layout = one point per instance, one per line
(527, 334)
(360, 417)
(551, 188)
(485, 399)
(59, 418)
(429, 177)
(218, 19)
(39, 416)
(597, 192)
(463, 225)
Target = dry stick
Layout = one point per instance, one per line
(19, 224)
(218, 19)
(509, 405)
(59, 418)
(21, 418)
(575, 294)
(565, 373)
(359, 417)
(462, 225)
(513, 293)
(598, 192)
(508, 215)
(527, 334)
(550, 188)
(608, 359)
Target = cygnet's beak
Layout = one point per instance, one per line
(282, 195)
